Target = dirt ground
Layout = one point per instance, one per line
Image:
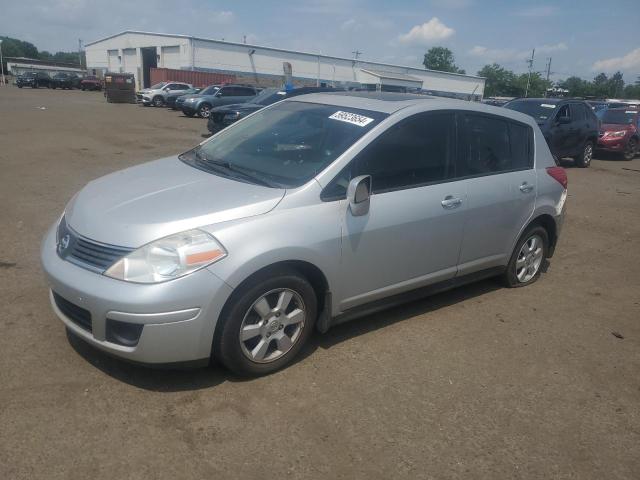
(481, 382)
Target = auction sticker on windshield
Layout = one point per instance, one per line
(547, 105)
(353, 118)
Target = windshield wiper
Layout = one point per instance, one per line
(245, 173)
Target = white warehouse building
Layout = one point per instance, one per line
(137, 52)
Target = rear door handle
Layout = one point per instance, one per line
(450, 202)
(526, 188)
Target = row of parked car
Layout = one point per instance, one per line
(61, 80)
(576, 128)
(221, 105)
(573, 128)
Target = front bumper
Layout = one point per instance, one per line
(189, 109)
(178, 317)
(612, 144)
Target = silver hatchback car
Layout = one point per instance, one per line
(305, 214)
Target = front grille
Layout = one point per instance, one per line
(217, 117)
(96, 254)
(73, 312)
(85, 252)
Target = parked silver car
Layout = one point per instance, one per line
(156, 95)
(305, 214)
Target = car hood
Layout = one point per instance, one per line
(135, 206)
(615, 127)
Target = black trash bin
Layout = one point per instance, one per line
(119, 87)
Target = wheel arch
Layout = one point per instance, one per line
(547, 222)
(311, 272)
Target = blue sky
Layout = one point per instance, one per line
(583, 36)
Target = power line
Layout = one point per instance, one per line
(356, 54)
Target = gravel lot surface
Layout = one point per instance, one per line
(481, 382)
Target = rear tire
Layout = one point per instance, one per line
(267, 308)
(527, 258)
(630, 150)
(584, 159)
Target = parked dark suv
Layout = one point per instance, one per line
(223, 116)
(33, 80)
(62, 80)
(569, 126)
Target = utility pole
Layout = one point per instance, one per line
(530, 62)
(548, 68)
(356, 54)
(4, 82)
(80, 52)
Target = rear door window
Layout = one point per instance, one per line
(489, 145)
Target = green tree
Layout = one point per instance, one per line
(616, 85)
(441, 59)
(601, 85)
(577, 87)
(537, 85)
(500, 81)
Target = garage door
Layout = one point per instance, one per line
(170, 57)
(129, 60)
(112, 57)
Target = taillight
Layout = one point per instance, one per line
(559, 175)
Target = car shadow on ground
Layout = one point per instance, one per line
(611, 157)
(175, 380)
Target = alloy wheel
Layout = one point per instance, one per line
(529, 259)
(204, 111)
(588, 154)
(272, 325)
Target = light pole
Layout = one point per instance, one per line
(2, 65)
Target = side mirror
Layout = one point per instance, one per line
(359, 195)
(563, 120)
(166, 89)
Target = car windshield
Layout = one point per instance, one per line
(211, 90)
(538, 110)
(60, 75)
(29, 74)
(269, 96)
(283, 146)
(158, 86)
(619, 117)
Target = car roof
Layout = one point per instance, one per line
(387, 102)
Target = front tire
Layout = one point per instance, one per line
(204, 111)
(584, 159)
(630, 150)
(266, 323)
(527, 258)
(158, 101)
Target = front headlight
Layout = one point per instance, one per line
(618, 134)
(168, 258)
(190, 100)
(232, 116)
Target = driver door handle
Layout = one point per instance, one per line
(450, 202)
(526, 188)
